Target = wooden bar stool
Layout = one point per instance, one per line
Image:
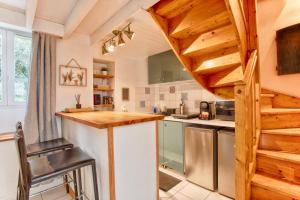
(38, 149)
(39, 169)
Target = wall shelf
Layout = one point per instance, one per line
(103, 105)
(103, 90)
(108, 76)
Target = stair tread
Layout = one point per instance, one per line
(267, 95)
(280, 110)
(271, 184)
(212, 41)
(287, 131)
(219, 63)
(226, 77)
(283, 156)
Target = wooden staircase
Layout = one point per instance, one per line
(206, 39)
(277, 175)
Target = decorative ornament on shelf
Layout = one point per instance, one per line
(77, 97)
(109, 45)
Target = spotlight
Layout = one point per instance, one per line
(121, 41)
(130, 34)
(111, 46)
(104, 50)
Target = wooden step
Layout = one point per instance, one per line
(277, 118)
(267, 95)
(172, 8)
(226, 77)
(280, 165)
(286, 140)
(212, 41)
(266, 188)
(219, 64)
(283, 100)
(205, 17)
(266, 100)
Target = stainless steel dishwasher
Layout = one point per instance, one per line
(226, 165)
(201, 156)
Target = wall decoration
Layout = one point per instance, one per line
(125, 94)
(72, 75)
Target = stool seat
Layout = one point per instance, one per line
(56, 164)
(48, 146)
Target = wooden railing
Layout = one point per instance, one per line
(247, 116)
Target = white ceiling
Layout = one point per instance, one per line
(21, 4)
(56, 11)
(102, 11)
(148, 39)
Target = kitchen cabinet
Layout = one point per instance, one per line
(165, 67)
(171, 145)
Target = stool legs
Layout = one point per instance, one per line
(75, 184)
(95, 181)
(67, 184)
(80, 184)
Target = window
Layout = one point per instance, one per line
(15, 60)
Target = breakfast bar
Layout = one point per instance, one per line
(125, 146)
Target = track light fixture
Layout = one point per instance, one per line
(104, 50)
(110, 44)
(129, 33)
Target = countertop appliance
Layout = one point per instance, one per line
(207, 110)
(201, 156)
(225, 110)
(226, 166)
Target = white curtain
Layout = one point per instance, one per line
(40, 124)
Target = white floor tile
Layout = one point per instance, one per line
(194, 192)
(165, 195)
(179, 196)
(216, 196)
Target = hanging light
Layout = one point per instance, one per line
(111, 46)
(121, 41)
(104, 50)
(129, 33)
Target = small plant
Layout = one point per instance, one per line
(77, 97)
(104, 70)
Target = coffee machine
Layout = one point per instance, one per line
(207, 110)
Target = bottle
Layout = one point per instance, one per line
(181, 107)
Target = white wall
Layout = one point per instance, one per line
(129, 73)
(77, 47)
(283, 13)
(8, 170)
(9, 116)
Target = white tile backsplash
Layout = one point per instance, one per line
(193, 92)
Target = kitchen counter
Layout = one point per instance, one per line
(105, 119)
(124, 145)
(214, 122)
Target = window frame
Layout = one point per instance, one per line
(9, 67)
(4, 69)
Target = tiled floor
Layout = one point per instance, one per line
(188, 191)
(56, 194)
(183, 191)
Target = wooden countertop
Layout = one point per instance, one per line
(105, 119)
(7, 136)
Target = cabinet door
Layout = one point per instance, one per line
(173, 145)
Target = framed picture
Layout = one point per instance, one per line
(72, 76)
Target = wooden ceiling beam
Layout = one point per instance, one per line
(79, 12)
